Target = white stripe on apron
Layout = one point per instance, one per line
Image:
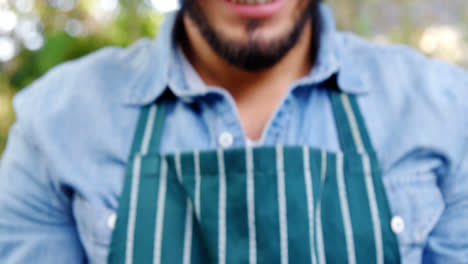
(353, 123)
(283, 220)
(310, 200)
(251, 207)
(132, 214)
(187, 253)
(320, 243)
(345, 210)
(188, 234)
(178, 167)
(222, 209)
(374, 210)
(148, 130)
(160, 213)
(197, 183)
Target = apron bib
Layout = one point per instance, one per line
(255, 205)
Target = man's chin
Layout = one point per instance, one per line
(257, 53)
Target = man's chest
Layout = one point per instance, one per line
(411, 183)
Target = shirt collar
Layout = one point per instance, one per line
(333, 59)
(154, 80)
(166, 67)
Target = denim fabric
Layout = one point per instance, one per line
(62, 171)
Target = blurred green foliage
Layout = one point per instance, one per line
(59, 46)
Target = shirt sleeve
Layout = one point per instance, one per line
(36, 225)
(36, 219)
(448, 242)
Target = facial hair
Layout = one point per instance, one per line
(255, 55)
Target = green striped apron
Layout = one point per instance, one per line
(274, 204)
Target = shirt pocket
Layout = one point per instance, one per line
(418, 204)
(95, 225)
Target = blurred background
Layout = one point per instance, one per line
(36, 35)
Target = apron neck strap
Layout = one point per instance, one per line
(352, 130)
(149, 129)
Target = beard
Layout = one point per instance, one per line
(256, 54)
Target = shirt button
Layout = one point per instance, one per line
(398, 224)
(111, 221)
(226, 139)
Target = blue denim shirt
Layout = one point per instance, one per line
(62, 171)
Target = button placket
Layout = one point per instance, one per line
(111, 221)
(274, 130)
(228, 123)
(226, 140)
(397, 224)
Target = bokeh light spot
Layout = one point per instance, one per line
(165, 5)
(8, 21)
(7, 49)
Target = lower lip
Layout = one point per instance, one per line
(256, 11)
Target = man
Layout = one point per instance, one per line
(248, 132)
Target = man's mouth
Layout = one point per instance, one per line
(255, 9)
(251, 2)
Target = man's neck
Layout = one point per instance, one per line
(257, 94)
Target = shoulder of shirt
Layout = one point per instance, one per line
(404, 70)
(411, 86)
(93, 82)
